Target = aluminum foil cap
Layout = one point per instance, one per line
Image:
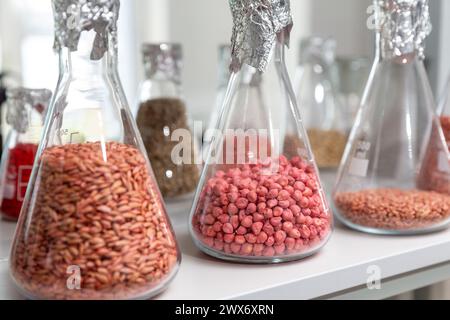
(20, 101)
(403, 25)
(256, 25)
(72, 17)
(165, 58)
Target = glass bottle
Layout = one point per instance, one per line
(93, 224)
(386, 183)
(162, 120)
(255, 202)
(321, 110)
(25, 114)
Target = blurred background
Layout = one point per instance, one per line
(26, 40)
(26, 37)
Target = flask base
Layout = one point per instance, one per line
(259, 260)
(390, 232)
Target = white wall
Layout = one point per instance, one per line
(201, 25)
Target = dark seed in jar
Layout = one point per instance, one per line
(157, 119)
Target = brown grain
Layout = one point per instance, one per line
(81, 217)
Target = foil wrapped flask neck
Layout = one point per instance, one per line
(257, 24)
(164, 58)
(403, 25)
(72, 17)
(19, 103)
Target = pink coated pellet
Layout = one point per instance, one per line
(234, 220)
(228, 238)
(257, 227)
(241, 230)
(232, 209)
(251, 208)
(239, 239)
(227, 228)
(247, 222)
(251, 238)
(277, 211)
(244, 212)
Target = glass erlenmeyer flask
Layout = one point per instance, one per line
(93, 224)
(322, 114)
(384, 184)
(444, 112)
(162, 112)
(255, 203)
(434, 174)
(25, 114)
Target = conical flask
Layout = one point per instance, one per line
(25, 114)
(255, 204)
(162, 113)
(385, 183)
(321, 110)
(25, 109)
(93, 224)
(444, 111)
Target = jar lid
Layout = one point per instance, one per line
(256, 25)
(20, 101)
(72, 17)
(163, 57)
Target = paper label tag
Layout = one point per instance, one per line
(9, 191)
(443, 162)
(359, 167)
(360, 163)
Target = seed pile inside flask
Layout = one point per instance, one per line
(96, 211)
(246, 211)
(393, 209)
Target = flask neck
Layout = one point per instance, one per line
(81, 66)
(402, 27)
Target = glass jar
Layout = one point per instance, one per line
(25, 115)
(387, 181)
(162, 120)
(93, 224)
(317, 96)
(256, 201)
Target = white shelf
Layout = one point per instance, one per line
(339, 270)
